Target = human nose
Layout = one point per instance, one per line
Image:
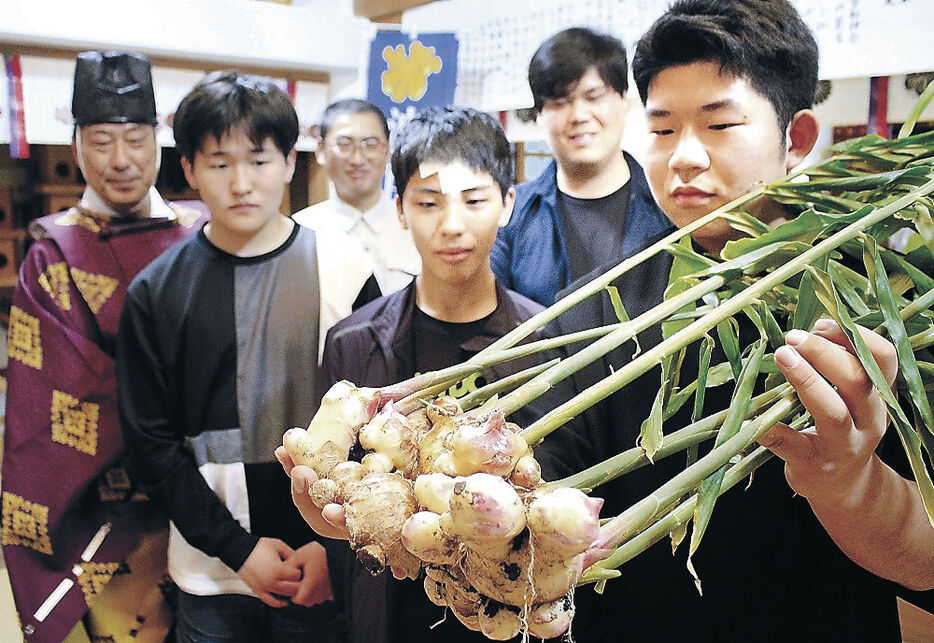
(689, 156)
(452, 221)
(120, 159)
(579, 109)
(240, 181)
(357, 153)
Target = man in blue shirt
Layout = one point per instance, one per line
(592, 203)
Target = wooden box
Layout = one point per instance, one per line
(8, 262)
(57, 164)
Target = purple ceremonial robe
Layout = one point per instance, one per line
(70, 513)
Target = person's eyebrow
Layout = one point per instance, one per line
(479, 186)
(655, 112)
(718, 105)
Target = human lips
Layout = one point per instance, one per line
(688, 196)
(123, 183)
(582, 138)
(454, 255)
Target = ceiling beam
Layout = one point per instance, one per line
(385, 11)
(69, 53)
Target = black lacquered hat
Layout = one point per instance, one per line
(113, 87)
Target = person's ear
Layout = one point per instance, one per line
(508, 204)
(800, 137)
(321, 154)
(189, 173)
(400, 213)
(76, 149)
(626, 106)
(290, 164)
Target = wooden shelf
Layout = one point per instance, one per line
(59, 189)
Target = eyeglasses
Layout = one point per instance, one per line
(370, 147)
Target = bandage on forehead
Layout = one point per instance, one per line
(453, 178)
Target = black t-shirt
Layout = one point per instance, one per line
(437, 344)
(593, 229)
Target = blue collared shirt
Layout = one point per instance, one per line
(530, 255)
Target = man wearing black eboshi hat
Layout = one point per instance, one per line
(72, 520)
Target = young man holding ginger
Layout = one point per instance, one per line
(727, 88)
(453, 173)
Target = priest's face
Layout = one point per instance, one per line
(118, 161)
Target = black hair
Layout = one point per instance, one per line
(450, 135)
(226, 100)
(764, 41)
(561, 61)
(350, 106)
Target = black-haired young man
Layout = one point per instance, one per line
(591, 204)
(218, 347)
(728, 87)
(453, 173)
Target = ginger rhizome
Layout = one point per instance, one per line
(455, 497)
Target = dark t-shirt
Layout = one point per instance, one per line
(593, 228)
(437, 344)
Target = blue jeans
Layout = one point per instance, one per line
(234, 618)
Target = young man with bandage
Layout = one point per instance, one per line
(453, 173)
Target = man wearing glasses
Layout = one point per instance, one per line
(354, 149)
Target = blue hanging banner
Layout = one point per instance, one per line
(407, 74)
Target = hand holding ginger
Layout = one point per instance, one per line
(873, 514)
(327, 521)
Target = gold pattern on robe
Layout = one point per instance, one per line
(23, 341)
(94, 577)
(25, 523)
(96, 289)
(74, 423)
(114, 484)
(54, 280)
(74, 216)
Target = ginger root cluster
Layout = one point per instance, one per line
(455, 498)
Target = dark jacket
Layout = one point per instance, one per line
(769, 571)
(530, 255)
(373, 347)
